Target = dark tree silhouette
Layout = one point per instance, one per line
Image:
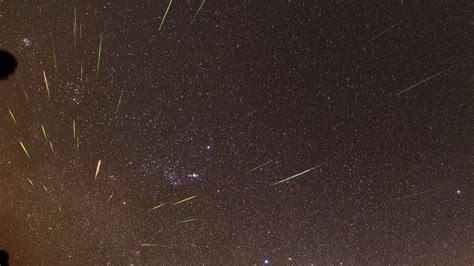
(8, 64)
(3, 258)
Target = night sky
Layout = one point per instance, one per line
(366, 109)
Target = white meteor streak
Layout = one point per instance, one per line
(98, 168)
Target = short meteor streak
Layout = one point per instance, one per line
(302, 173)
(82, 71)
(389, 28)
(158, 206)
(31, 182)
(184, 200)
(147, 245)
(25, 150)
(110, 197)
(51, 146)
(426, 79)
(99, 53)
(77, 142)
(119, 101)
(98, 168)
(166, 13)
(258, 167)
(12, 116)
(187, 221)
(411, 195)
(54, 59)
(47, 85)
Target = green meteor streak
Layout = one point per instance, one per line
(24, 149)
(82, 71)
(199, 9)
(44, 132)
(166, 13)
(187, 221)
(119, 101)
(47, 85)
(302, 173)
(11, 114)
(74, 25)
(77, 142)
(54, 58)
(98, 54)
(184, 200)
(158, 206)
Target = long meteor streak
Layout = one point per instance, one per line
(99, 53)
(426, 79)
(184, 200)
(166, 13)
(411, 195)
(98, 168)
(302, 173)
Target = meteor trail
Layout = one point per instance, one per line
(98, 168)
(74, 25)
(411, 195)
(184, 200)
(54, 59)
(302, 173)
(258, 167)
(98, 54)
(74, 129)
(199, 9)
(426, 79)
(11, 114)
(47, 85)
(166, 13)
(158, 206)
(44, 132)
(25, 150)
(110, 197)
(389, 28)
(119, 101)
(187, 221)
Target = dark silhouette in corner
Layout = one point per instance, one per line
(8, 64)
(3, 258)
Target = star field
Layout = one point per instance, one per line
(240, 133)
